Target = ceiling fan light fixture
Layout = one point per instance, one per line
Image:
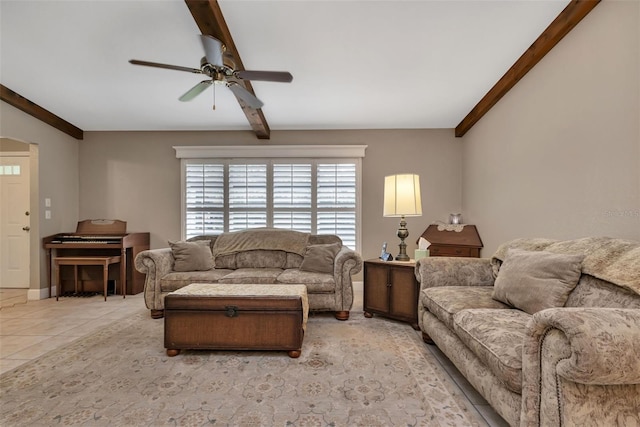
(213, 49)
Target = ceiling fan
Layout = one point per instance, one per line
(219, 65)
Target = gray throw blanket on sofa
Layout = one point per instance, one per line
(261, 238)
(614, 260)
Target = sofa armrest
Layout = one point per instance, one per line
(155, 264)
(604, 343)
(581, 363)
(452, 271)
(347, 263)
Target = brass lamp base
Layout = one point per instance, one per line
(403, 233)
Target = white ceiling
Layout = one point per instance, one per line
(356, 64)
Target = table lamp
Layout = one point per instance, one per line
(402, 198)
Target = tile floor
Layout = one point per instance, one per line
(31, 329)
(10, 297)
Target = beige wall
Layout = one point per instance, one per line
(58, 179)
(135, 176)
(559, 155)
(8, 145)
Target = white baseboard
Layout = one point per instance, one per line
(37, 294)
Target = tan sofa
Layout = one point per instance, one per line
(542, 353)
(255, 256)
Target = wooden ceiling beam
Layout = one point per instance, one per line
(33, 109)
(560, 27)
(210, 21)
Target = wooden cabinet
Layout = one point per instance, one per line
(464, 243)
(391, 290)
(438, 250)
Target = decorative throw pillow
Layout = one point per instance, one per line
(192, 256)
(319, 258)
(535, 280)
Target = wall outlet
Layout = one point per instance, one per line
(47, 214)
(47, 202)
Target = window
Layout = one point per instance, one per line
(315, 195)
(10, 170)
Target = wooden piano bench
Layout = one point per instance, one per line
(104, 261)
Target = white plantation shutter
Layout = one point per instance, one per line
(292, 196)
(336, 206)
(339, 223)
(248, 186)
(230, 193)
(247, 196)
(336, 185)
(204, 199)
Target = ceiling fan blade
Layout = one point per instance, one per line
(196, 90)
(167, 66)
(267, 76)
(242, 93)
(213, 50)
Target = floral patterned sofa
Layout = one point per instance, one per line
(547, 331)
(255, 256)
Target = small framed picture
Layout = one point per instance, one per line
(384, 255)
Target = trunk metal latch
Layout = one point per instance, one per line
(231, 311)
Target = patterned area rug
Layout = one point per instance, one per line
(362, 372)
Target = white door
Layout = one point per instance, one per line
(14, 222)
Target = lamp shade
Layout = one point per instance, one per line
(402, 195)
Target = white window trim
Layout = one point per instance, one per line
(269, 151)
(189, 152)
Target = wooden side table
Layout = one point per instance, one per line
(391, 290)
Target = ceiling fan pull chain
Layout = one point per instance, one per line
(214, 97)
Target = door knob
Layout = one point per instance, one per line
(26, 228)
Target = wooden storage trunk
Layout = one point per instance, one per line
(237, 319)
